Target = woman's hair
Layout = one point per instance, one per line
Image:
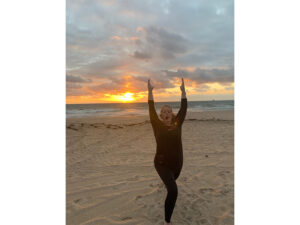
(173, 114)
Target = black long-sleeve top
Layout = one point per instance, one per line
(169, 145)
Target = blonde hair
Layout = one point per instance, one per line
(173, 114)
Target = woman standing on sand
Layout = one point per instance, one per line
(168, 159)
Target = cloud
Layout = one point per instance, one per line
(74, 89)
(201, 76)
(109, 40)
(131, 84)
(73, 86)
(77, 79)
(166, 44)
(202, 88)
(116, 38)
(141, 55)
(229, 88)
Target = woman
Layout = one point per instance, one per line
(169, 157)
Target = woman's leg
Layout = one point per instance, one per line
(176, 175)
(167, 177)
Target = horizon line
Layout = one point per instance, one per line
(146, 102)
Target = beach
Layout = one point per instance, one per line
(111, 179)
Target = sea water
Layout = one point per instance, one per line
(141, 108)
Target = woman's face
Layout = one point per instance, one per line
(166, 114)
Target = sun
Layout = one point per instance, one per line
(122, 97)
(127, 97)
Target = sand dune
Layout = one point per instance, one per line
(111, 178)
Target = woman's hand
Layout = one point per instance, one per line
(150, 87)
(182, 88)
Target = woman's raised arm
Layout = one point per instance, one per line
(183, 107)
(152, 112)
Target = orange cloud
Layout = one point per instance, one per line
(134, 38)
(139, 29)
(190, 68)
(116, 38)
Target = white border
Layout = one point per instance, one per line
(32, 112)
(267, 112)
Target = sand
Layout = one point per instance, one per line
(111, 177)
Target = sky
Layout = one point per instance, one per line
(114, 47)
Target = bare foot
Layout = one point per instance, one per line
(167, 223)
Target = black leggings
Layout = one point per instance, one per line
(168, 177)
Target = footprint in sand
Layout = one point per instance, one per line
(77, 200)
(126, 218)
(112, 126)
(224, 173)
(159, 185)
(225, 191)
(206, 190)
(81, 201)
(133, 178)
(72, 128)
(138, 197)
(195, 207)
(204, 221)
(192, 195)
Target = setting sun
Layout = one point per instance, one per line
(127, 97)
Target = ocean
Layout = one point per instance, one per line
(141, 108)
